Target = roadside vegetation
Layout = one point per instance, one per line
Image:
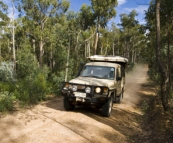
(46, 43)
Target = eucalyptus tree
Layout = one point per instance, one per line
(166, 23)
(162, 69)
(115, 38)
(86, 17)
(88, 29)
(160, 23)
(131, 37)
(13, 34)
(38, 13)
(3, 13)
(103, 11)
(3, 22)
(79, 35)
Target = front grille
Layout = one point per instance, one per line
(81, 88)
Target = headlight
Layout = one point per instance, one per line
(87, 89)
(74, 88)
(98, 90)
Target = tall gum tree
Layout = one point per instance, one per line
(38, 12)
(131, 35)
(160, 26)
(103, 12)
(162, 69)
(3, 22)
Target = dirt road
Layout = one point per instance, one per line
(50, 123)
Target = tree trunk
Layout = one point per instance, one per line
(13, 38)
(169, 63)
(134, 56)
(67, 64)
(41, 53)
(89, 48)
(101, 49)
(113, 48)
(0, 52)
(86, 49)
(33, 40)
(162, 69)
(51, 59)
(95, 44)
(77, 41)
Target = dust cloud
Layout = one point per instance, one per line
(134, 79)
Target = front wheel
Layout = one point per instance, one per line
(107, 107)
(68, 105)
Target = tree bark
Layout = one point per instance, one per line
(95, 44)
(162, 69)
(67, 64)
(33, 40)
(13, 38)
(113, 48)
(41, 53)
(169, 62)
(0, 52)
(89, 48)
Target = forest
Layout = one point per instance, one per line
(46, 43)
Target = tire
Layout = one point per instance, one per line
(119, 99)
(114, 97)
(107, 107)
(68, 105)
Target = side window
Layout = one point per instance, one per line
(119, 70)
(118, 73)
(122, 71)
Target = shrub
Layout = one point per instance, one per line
(6, 95)
(6, 101)
(32, 79)
(7, 71)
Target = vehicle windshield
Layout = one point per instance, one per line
(98, 72)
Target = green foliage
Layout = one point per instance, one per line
(6, 96)
(32, 90)
(130, 67)
(3, 15)
(144, 106)
(153, 72)
(6, 102)
(86, 17)
(166, 33)
(56, 79)
(31, 85)
(27, 64)
(103, 11)
(7, 71)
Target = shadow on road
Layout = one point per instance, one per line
(125, 119)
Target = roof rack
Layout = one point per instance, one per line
(112, 59)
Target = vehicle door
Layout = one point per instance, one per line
(118, 80)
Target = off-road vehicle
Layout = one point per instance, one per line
(100, 83)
